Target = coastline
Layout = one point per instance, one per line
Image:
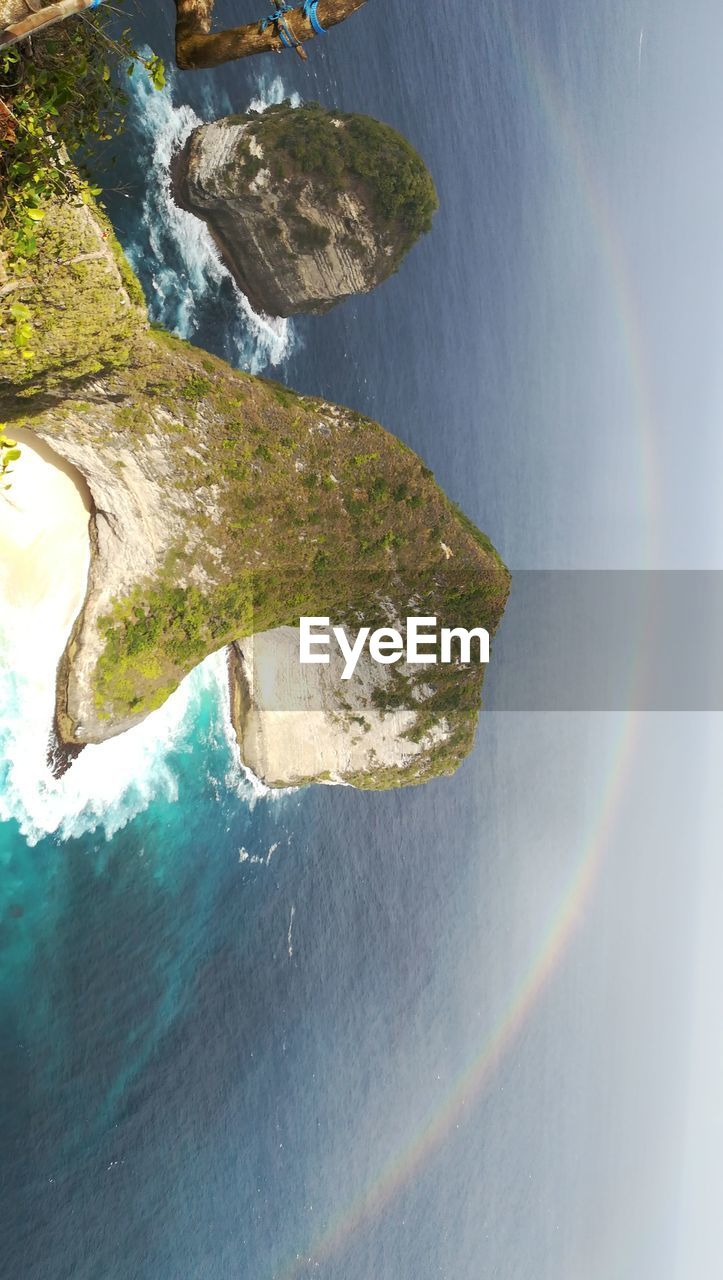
(231, 261)
(295, 725)
(45, 519)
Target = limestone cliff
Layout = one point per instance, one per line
(297, 724)
(306, 206)
(224, 506)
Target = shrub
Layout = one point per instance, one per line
(54, 98)
(338, 147)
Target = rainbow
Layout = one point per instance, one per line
(489, 1053)
(565, 134)
(480, 1069)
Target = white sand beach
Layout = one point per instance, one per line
(44, 558)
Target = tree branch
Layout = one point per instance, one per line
(12, 285)
(197, 46)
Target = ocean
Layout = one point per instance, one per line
(413, 1034)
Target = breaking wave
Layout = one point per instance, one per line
(187, 286)
(108, 785)
(185, 283)
(271, 92)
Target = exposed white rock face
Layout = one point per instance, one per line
(136, 517)
(299, 723)
(289, 250)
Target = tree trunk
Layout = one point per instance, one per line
(38, 21)
(197, 46)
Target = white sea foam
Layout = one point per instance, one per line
(186, 271)
(107, 785)
(240, 778)
(271, 92)
(245, 856)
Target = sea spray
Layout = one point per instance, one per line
(239, 778)
(271, 93)
(182, 273)
(173, 252)
(110, 784)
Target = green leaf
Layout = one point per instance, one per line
(157, 72)
(35, 215)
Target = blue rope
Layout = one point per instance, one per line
(94, 4)
(277, 19)
(311, 14)
(286, 35)
(274, 17)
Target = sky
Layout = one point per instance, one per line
(671, 223)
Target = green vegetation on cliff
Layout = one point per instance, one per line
(58, 94)
(340, 150)
(310, 137)
(317, 511)
(71, 310)
(274, 504)
(59, 309)
(52, 101)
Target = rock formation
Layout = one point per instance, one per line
(224, 506)
(297, 724)
(306, 206)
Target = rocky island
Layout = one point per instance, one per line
(307, 206)
(222, 507)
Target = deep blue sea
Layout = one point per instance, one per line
(388, 1037)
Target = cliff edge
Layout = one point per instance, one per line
(224, 506)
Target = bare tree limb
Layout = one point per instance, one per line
(39, 20)
(12, 285)
(82, 257)
(197, 46)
